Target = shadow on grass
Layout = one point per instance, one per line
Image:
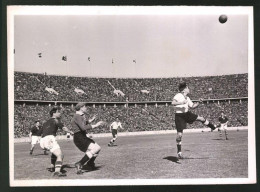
(173, 159)
(41, 154)
(176, 160)
(89, 169)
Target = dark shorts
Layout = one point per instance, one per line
(114, 132)
(181, 120)
(82, 141)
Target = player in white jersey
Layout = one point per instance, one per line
(114, 126)
(182, 103)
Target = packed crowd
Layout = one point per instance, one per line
(32, 86)
(133, 118)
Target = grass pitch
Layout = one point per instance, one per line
(146, 157)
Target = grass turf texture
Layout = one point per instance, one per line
(146, 157)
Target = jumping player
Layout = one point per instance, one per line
(80, 126)
(182, 103)
(49, 142)
(114, 126)
(35, 136)
(223, 124)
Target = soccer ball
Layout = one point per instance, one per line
(222, 19)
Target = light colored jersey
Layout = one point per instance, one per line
(115, 125)
(182, 108)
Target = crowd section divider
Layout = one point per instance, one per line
(123, 103)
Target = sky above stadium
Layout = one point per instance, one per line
(131, 45)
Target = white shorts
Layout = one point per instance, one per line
(49, 142)
(35, 139)
(223, 127)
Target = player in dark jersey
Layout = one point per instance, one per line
(49, 142)
(223, 125)
(80, 126)
(35, 136)
(182, 103)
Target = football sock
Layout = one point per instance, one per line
(178, 148)
(84, 160)
(91, 161)
(53, 159)
(58, 166)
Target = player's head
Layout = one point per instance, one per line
(37, 122)
(183, 87)
(55, 112)
(117, 118)
(81, 107)
(222, 113)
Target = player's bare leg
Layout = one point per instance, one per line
(206, 122)
(53, 161)
(92, 151)
(96, 150)
(178, 141)
(112, 141)
(31, 150)
(58, 163)
(226, 134)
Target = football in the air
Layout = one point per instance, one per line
(223, 19)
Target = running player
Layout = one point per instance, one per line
(80, 126)
(182, 103)
(114, 126)
(223, 124)
(35, 136)
(49, 142)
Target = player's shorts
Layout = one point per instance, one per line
(181, 120)
(223, 127)
(35, 139)
(82, 141)
(114, 132)
(49, 142)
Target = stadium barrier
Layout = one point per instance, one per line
(122, 134)
(94, 104)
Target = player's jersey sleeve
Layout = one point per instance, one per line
(177, 97)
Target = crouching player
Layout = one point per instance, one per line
(49, 142)
(114, 126)
(80, 125)
(223, 125)
(182, 103)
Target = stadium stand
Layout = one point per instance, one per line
(29, 86)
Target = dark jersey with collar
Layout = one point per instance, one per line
(51, 127)
(223, 119)
(79, 123)
(36, 131)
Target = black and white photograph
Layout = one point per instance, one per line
(131, 95)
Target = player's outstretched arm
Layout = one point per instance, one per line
(98, 124)
(92, 119)
(174, 102)
(196, 104)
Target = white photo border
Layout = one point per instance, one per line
(13, 11)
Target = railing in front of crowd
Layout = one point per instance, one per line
(125, 103)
